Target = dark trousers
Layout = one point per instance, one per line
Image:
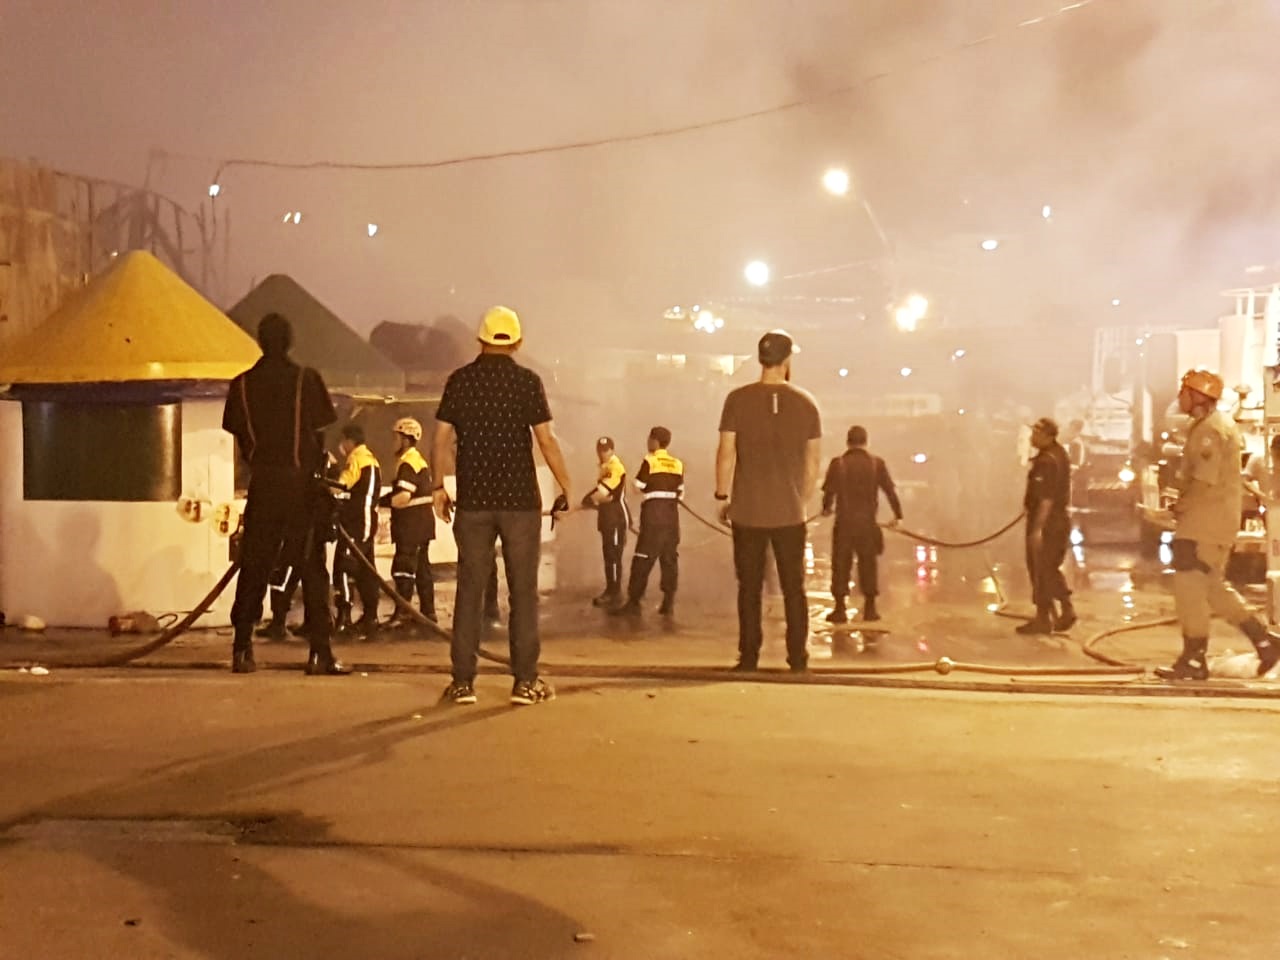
(475, 532)
(410, 569)
(1044, 566)
(864, 543)
(284, 584)
(750, 544)
(491, 609)
(655, 545)
(280, 529)
(613, 540)
(348, 570)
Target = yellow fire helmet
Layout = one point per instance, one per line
(1203, 381)
(409, 427)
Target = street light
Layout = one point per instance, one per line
(990, 244)
(757, 273)
(836, 181)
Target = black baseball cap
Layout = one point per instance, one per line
(775, 346)
(1046, 424)
(604, 443)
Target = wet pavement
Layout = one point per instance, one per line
(938, 605)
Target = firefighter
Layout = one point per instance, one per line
(1208, 518)
(413, 522)
(276, 410)
(852, 492)
(608, 499)
(661, 481)
(361, 484)
(1048, 531)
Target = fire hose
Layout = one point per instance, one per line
(943, 665)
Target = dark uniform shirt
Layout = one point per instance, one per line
(416, 521)
(661, 480)
(612, 483)
(276, 410)
(362, 477)
(853, 484)
(493, 403)
(1049, 479)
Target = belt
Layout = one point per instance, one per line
(662, 495)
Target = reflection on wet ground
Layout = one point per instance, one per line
(935, 602)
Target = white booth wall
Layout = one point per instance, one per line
(75, 564)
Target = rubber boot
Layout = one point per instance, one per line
(342, 622)
(668, 606)
(322, 663)
(1039, 625)
(839, 614)
(1264, 641)
(1067, 619)
(869, 612)
(609, 598)
(242, 652)
(1191, 664)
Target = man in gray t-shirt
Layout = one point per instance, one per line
(769, 457)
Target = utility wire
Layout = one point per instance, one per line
(788, 106)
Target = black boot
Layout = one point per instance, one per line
(1191, 664)
(242, 653)
(668, 606)
(1037, 626)
(322, 663)
(271, 631)
(1265, 642)
(839, 614)
(427, 601)
(366, 627)
(342, 622)
(869, 612)
(629, 609)
(1067, 619)
(609, 598)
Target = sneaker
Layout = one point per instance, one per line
(527, 692)
(458, 692)
(1185, 668)
(744, 666)
(629, 609)
(607, 599)
(242, 661)
(1039, 627)
(325, 665)
(1268, 656)
(1065, 622)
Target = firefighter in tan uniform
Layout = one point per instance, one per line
(1208, 519)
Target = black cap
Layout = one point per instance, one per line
(775, 346)
(604, 443)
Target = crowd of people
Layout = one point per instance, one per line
(493, 412)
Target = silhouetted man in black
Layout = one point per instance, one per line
(276, 410)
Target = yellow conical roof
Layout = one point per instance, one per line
(137, 320)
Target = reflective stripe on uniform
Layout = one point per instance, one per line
(662, 495)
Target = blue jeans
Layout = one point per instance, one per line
(475, 532)
(750, 545)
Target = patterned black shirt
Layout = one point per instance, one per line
(493, 403)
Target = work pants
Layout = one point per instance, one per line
(750, 545)
(1044, 565)
(613, 540)
(348, 570)
(1200, 589)
(655, 545)
(866, 542)
(284, 583)
(280, 528)
(410, 569)
(475, 532)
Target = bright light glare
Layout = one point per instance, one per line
(836, 181)
(1046, 211)
(906, 319)
(961, 411)
(958, 355)
(373, 229)
(844, 371)
(1077, 536)
(905, 371)
(297, 216)
(1115, 302)
(990, 244)
(1127, 475)
(920, 458)
(215, 189)
(918, 305)
(757, 273)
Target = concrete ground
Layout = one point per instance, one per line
(660, 807)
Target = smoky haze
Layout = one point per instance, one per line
(1141, 123)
